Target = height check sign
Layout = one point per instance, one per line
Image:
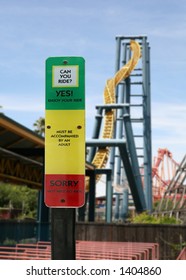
(65, 132)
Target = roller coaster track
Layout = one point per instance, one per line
(173, 200)
(163, 170)
(101, 157)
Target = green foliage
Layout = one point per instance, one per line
(9, 242)
(28, 241)
(40, 126)
(19, 197)
(145, 218)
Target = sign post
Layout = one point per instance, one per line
(64, 144)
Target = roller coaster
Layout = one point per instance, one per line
(101, 157)
(121, 140)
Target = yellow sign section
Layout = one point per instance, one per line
(65, 134)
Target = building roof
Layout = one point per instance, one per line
(15, 135)
(21, 153)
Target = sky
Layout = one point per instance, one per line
(32, 31)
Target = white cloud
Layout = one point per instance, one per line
(17, 103)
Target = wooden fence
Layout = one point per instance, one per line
(171, 238)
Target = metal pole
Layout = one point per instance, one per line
(124, 206)
(117, 66)
(96, 132)
(109, 198)
(147, 125)
(91, 212)
(113, 149)
(117, 202)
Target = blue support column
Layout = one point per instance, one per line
(109, 193)
(137, 191)
(113, 149)
(116, 208)
(130, 139)
(124, 205)
(132, 151)
(147, 124)
(96, 132)
(92, 195)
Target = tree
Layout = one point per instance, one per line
(40, 126)
(19, 197)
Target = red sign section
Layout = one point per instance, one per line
(65, 190)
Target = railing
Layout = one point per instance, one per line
(85, 250)
(116, 250)
(26, 252)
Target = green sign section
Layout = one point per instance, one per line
(65, 86)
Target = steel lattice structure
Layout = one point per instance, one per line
(132, 126)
